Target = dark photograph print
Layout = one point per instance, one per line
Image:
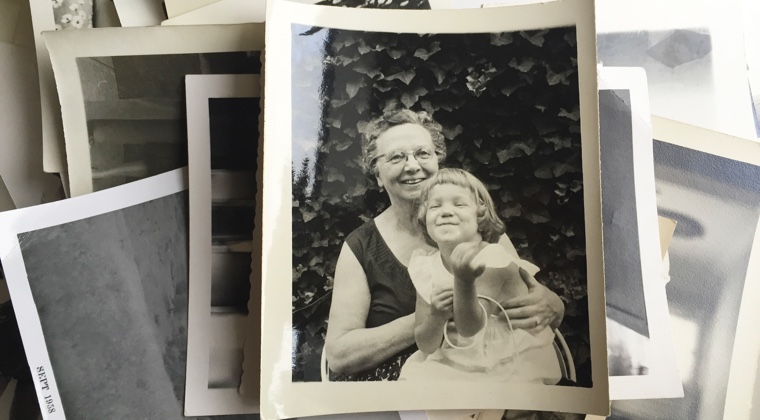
(438, 212)
(135, 110)
(222, 150)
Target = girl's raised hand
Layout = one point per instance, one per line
(462, 261)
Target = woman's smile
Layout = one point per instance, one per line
(406, 159)
(415, 181)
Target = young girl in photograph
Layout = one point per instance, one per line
(462, 331)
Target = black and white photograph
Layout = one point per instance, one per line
(134, 109)
(123, 107)
(442, 231)
(523, 165)
(693, 53)
(640, 346)
(223, 144)
(99, 286)
(706, 181)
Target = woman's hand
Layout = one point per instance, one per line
(536, 310)
(461, 262)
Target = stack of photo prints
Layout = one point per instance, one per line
(377, 209)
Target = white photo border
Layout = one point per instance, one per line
(280, 397)
(200, 400)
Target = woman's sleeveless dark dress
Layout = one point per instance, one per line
(392, 296)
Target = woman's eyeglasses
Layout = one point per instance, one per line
(421, 155)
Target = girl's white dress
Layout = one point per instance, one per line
(494, 354)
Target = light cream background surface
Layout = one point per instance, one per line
(667, 228)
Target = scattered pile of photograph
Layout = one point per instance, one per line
(379, 209)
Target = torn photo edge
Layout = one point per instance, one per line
(200, 399)
(250, 382)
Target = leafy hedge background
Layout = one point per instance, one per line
(508, 103)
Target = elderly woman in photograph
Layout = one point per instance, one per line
(371, 325)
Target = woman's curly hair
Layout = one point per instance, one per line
(379, 125)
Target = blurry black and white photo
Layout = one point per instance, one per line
(124, 108)
(640, 347)
(99, 286)
(693, 53)
(223, 143)
(414, 158)
(716, 202)
(627, 325)
(134, 107)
